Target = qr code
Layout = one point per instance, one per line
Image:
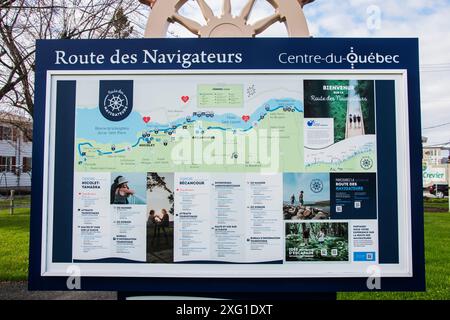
(339, 209)
(323, 252)
(357, 204)
(334, 252)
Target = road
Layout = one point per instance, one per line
(17, 290)
(354, 129)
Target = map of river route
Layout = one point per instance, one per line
(197, 123)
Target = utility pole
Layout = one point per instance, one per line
(448, 181)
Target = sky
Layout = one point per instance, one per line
(429, 20)
(157, 199)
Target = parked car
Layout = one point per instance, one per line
(439, 190)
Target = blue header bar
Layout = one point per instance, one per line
(269, 53)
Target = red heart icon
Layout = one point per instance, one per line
(146, 119)
(246, 118)
(185, 99)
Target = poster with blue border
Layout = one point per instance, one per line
(240, 165)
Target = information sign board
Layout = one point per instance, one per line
(232, 164)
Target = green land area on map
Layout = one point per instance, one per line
(274, 145)
(353, 164)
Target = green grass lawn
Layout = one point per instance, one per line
(22, 201)
(14, 236)
(437, 255)
(435, 205)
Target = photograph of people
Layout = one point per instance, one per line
(352, 108)
(321, 236)
(306, 235)
(120, 191)
(301, 198)
(162, 219)
(160, 208)
(317, 241)
(313, 196)
(127, 188)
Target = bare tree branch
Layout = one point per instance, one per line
(22, 22)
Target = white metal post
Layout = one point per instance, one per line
(448, 182)
(11, 202)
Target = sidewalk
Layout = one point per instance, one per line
(17, 290)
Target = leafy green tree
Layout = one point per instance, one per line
(335, 108)
(366, 91)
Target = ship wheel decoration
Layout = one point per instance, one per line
(165, 12)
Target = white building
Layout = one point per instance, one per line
(435, 161)
(435, 155)
(15, 153)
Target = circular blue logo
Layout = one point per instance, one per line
(366, 163)
(316, 185)
(116, 106)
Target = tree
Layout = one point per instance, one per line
(366, 90)
(154, 180)
(22, 22)
(121, 25)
